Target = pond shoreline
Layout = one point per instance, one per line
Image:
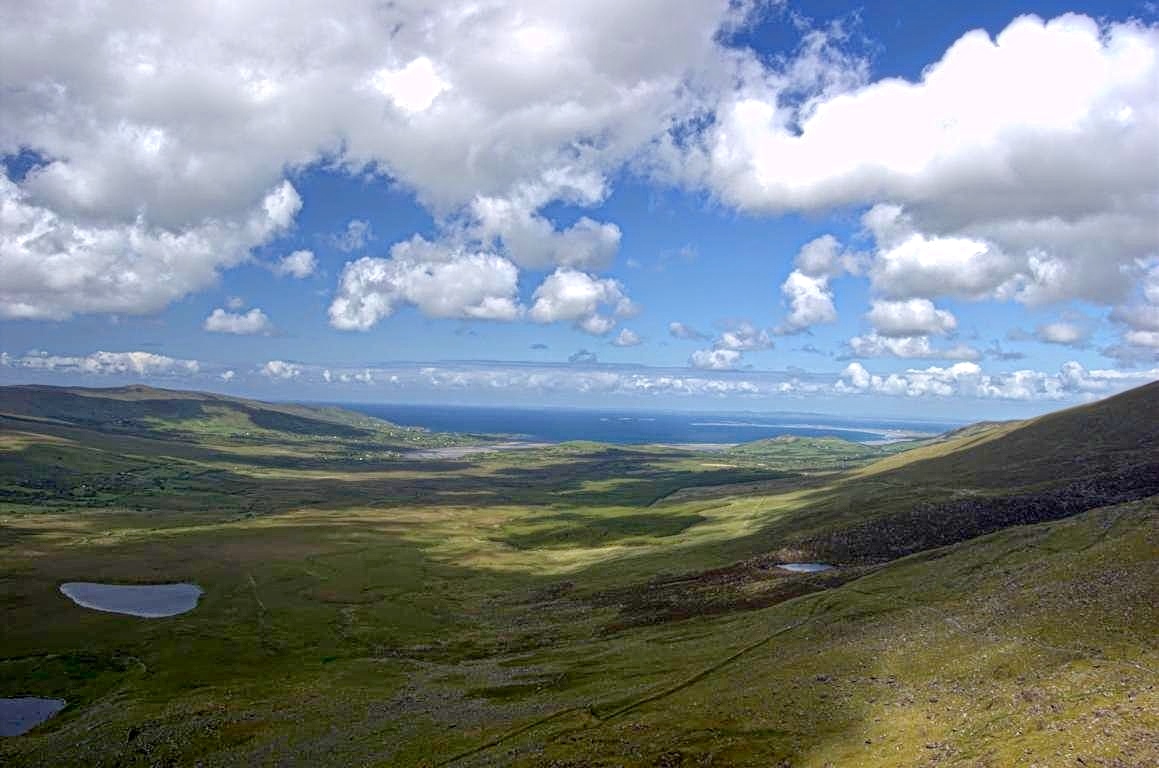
(21, 714)
(144, 601)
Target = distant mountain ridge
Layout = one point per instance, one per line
(982, 479)
(136, 408)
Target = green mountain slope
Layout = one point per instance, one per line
(982, 480)
(1104, 436)
(150, 411)
(139, 446)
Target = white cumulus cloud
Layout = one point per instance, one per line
(744, 337)
(810, 302)
(715, 359)
(876, 345)
(627, 338)
(591, 303)
(280, 369)
(1037, 97)
(806, 291)
(729, 346)
(1020, 167)
(248, 323)
(300, 264)
(532, 242)
(438, 280)
(158, 146)
(913, 317)
(1063, 332)
(55, 267)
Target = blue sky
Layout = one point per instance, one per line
(898, 209)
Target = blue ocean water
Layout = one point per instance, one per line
(628, 427)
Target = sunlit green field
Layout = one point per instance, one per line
(573, 605)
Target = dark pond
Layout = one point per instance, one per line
(147, 601)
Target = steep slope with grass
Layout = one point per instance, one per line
(1105, 436)
(985, 479)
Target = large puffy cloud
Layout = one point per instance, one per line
(486, 111)
(454, 100)
(912, 264)
(1034, 100)
(1023, 167)
(55, 266)
(824, 256)
(438, 280)
(446, 280)
(820, 256)
(1140, 317)
(1143, 339)
(592, 304)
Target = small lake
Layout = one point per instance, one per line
(21, 715)
(147, 601)
(805, 567)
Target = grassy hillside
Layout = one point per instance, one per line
(577, 605)
(1104, 436)
(982, 479)
(147, 411)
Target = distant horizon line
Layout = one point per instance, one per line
(630, 409)
(510, 406)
